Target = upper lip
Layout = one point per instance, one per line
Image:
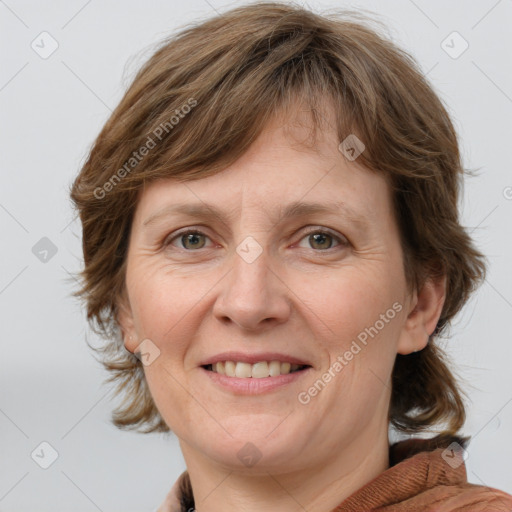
(253, 358)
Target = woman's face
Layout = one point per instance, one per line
(294, 258)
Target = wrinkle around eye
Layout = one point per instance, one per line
(171, 242)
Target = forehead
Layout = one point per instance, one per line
(281, 176)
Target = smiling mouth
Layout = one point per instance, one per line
(258, 370)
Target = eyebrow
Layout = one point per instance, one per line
(295, 209)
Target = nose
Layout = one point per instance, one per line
(253, 295)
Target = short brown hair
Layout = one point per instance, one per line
(235, 72)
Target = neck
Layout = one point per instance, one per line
(321, 488)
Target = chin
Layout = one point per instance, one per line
(252, 442)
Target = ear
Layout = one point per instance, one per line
(424, 312)
(127, 324)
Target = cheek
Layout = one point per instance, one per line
(169, 310)
(158, 298)
(358, 319)
(352, 301)
(358, 322)
(166, 387)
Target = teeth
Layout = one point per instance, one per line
(230, 366)
(243, 370)
(274, 368)
(258, 370)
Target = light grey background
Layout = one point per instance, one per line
(51, 111)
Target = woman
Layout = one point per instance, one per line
(272, 246)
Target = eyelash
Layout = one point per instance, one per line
(342, 241)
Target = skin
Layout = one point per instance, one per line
(301, 296)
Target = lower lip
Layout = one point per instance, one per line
(252, 386)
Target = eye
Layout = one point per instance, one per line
(318, 239)
(188, 240)
(322, 240)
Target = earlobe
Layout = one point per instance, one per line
(126, 323)
(424, 314)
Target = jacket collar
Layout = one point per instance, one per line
(422, 472)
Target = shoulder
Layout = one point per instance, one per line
(465, 498)
(440, 461)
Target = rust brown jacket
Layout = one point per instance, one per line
(425, 475)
